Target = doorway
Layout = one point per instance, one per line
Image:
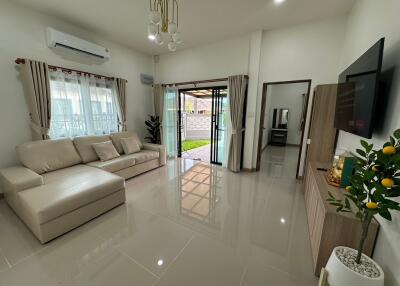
(202, 120)
(283, 117)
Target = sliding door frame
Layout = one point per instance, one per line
(179, 119)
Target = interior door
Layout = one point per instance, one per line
(218, 124)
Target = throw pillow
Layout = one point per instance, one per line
(130, 145)
(105, 150)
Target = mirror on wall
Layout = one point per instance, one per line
(281, 118)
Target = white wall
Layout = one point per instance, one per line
(254, 75)
(23, 35)
(288, 96)
(308, 51)
(369, 21)
(218, 60)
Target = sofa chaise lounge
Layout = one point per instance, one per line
(63, 184)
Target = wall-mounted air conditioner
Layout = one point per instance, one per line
(61, 40)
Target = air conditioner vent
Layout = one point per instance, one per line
(60, 40)
(78, 50)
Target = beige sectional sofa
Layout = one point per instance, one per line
(63, 184)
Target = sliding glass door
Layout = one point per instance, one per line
(218, 124)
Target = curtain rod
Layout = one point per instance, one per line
(199, 81)
(22, 61)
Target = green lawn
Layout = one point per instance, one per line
(191, 144)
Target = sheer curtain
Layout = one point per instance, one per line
(81, 105)
(170, 121)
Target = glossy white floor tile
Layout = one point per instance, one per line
(152, 241)
(205, 261)
(188, 223)
(4, 264)
(16, 240)
(113, 268)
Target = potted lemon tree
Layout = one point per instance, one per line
(374, 185)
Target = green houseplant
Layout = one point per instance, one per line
(153, 126)
(374, 184)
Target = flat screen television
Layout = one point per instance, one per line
(357, 94)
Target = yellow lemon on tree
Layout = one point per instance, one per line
(376, 168)
(389, 150)
(371, 205)
(349, 188)
(387, 182)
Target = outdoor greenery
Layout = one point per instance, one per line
(192, 144)
(374, 184)
(153, 127)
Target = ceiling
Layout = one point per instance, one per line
(201, 22)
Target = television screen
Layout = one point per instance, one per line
(357, 93)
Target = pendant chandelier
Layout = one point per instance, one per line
(163, 24)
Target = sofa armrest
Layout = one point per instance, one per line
(19, 178)
(159, 148)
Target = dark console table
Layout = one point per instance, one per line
(278, 137)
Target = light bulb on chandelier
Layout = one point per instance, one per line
(172, 28)
(159, 39)
(152, 31)
(155, 17)
(172, 46)
(177, 37)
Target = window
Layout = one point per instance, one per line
(81, 105)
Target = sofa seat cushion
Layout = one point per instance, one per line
(114, 165)
(143, 156)
(68, 189)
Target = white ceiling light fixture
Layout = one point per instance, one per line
(279, 1)
(163, 19)
(152, 30)
(172, 46)
(160, 262)
(159, 39)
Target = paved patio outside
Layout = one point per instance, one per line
(202, 153)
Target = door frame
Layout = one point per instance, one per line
(262, 114)
(215, 106)
(179, 119)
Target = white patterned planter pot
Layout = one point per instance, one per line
(343, 271)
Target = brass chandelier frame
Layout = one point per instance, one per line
(165, 7)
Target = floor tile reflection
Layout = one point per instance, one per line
(188, 223)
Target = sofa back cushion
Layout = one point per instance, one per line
(48, 155)
(84, 146)
(116, 139)
(130, 145)
(105, 150)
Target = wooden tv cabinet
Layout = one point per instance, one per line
(327, 228)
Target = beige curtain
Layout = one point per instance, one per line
(236, 94)
(35, 80)
(158, 94)
(120, 89)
